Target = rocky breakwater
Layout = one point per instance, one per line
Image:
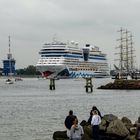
(122, 84)
(111, 128)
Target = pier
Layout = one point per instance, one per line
(89, 86)
(52, 84)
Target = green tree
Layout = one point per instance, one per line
(30, 70)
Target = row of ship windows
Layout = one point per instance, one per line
(83, 65)
(51, 58)
(43, 61)
(48, 63)
(88, 69)
(70, 64)
(76, 56)
(77, 61)
(64, 52)
(95, 69)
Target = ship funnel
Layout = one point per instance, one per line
(86, 52)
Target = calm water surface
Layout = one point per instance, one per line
(30, 111)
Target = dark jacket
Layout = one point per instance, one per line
(69, 121)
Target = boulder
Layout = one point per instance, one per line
(84, 123)
(109, 118)
(103, 125)
(130, 137)
(127, 122)
(60, 135)
(111, 128)
(85, 137)
(132, 130)
(118, 128)
(88, 131)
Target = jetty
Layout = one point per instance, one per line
(122, 84)
(111, 128)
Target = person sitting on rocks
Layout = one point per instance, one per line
(69, 122)
(96, 120)
(137, 136)
(91, 114)
(76, 131)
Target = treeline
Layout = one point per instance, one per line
(30, 70)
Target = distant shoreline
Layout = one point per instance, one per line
(21, 76)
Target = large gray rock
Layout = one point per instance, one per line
(88, 131)
(109, 117)
(111, 128)
(60, 135)
(130, 137)
(103, 125)
(127, 122)
(85, 137)
(132, 130)
(118, 128)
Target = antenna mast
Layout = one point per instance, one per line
(9, 44)
(9, 56)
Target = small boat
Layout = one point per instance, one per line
(9, 81)
(18, 79)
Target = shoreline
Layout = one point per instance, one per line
(111, 128)
(121, 84)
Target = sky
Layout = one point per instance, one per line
(31, 23)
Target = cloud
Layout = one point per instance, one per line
(32, 22)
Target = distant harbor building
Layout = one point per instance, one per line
(9, 63)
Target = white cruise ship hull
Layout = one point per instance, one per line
(50, 71)
(62, 71)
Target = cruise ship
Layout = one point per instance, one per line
(68, 60)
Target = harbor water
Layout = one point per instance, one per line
(30, 111)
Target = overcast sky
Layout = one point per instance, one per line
(31, 23)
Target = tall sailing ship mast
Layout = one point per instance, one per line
(126, 52)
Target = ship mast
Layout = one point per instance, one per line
(126, 50)
(131, 53)
(126, 57)
(121, 49)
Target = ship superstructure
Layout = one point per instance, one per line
(69, 60)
